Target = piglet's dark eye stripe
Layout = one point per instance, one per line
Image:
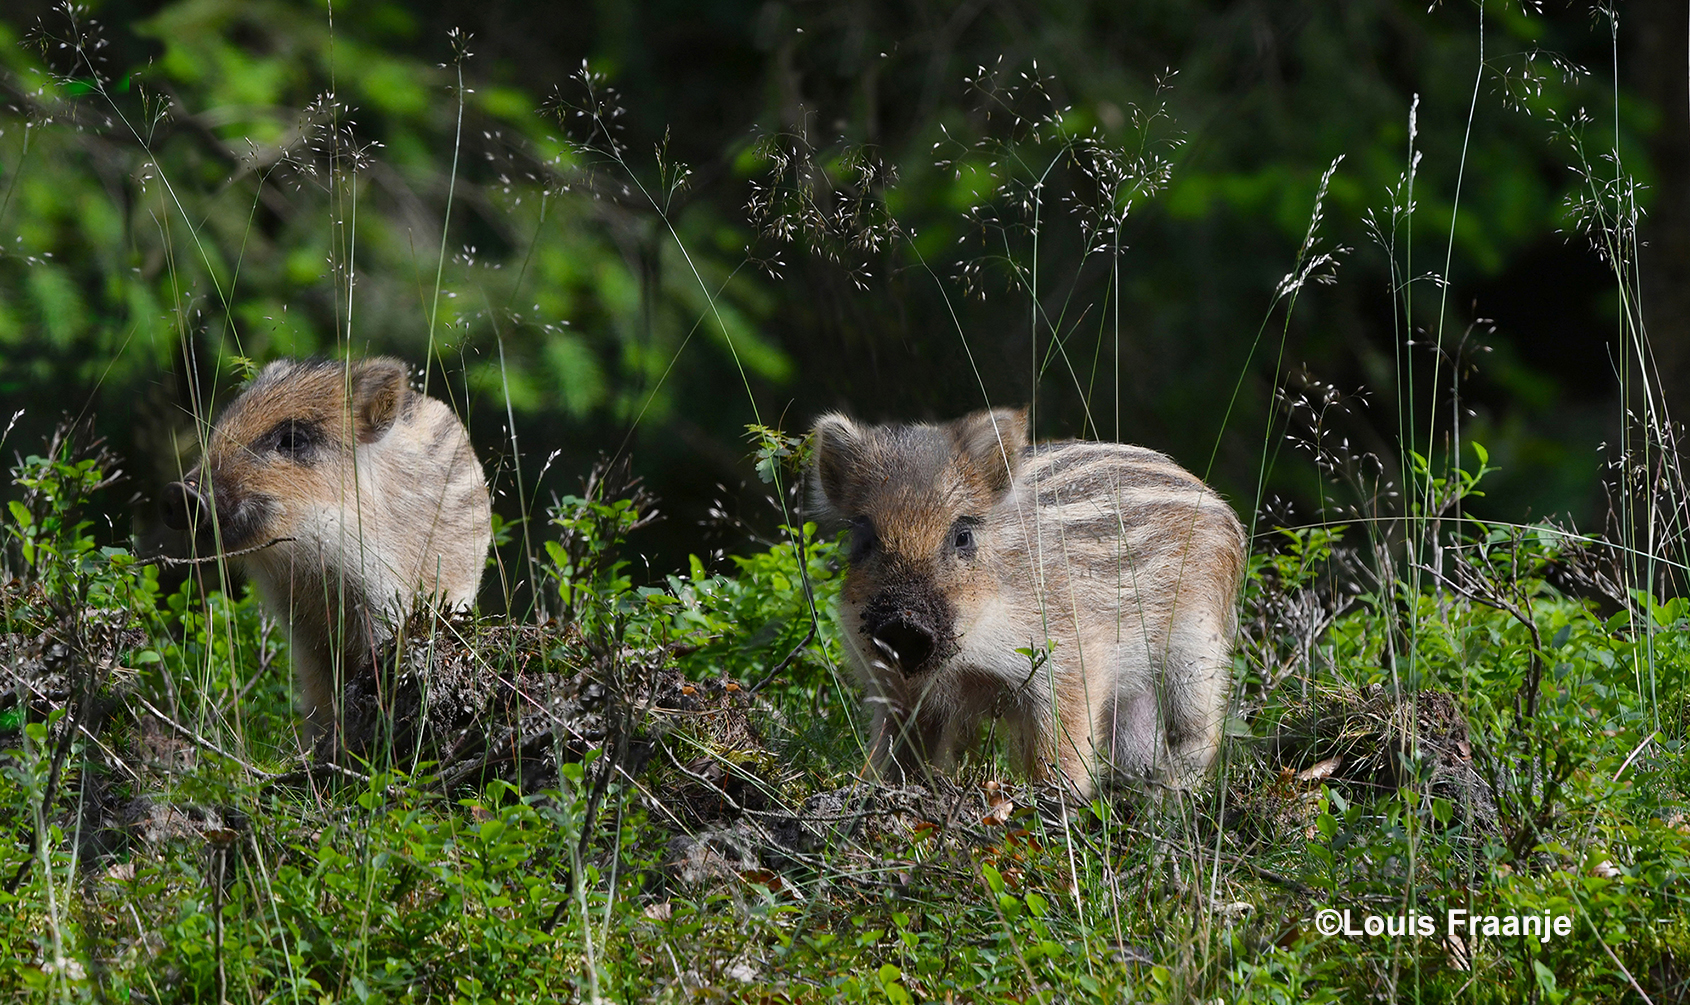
(291, 438)
(863, 538)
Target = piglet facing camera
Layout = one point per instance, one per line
(371, 493)
(1114, 567)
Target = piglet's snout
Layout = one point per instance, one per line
(183, 506)
(910, 626)
(906, 641)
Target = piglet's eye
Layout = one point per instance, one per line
(962, 537)
(292, 439)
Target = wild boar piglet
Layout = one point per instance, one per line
(1112, 570)
(374, 489)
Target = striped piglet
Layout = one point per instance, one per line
(1085, 592)
(374, 492)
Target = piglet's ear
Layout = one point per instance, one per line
(991, 441)
(380, 395)
(837, 459)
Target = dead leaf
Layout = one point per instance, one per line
(764, 878)
(1236, 909)
(1322, 769)
(221, 837)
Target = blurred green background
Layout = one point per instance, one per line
(757, 211)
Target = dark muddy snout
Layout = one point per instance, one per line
(906, 642)
(184, 508)
(215, 512)
(913, 628)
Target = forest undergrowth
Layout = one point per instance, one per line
(681, 818)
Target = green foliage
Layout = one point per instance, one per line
(771, 609)
(586, 568)
(198, 187)
(1435, 721)
(223, 663)
(49, 530)
(1443, 491)
(776, 453)
(384, 889)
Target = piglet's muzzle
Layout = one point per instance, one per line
(184, 507)
(910, 630)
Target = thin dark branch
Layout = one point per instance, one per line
(783, 664)
(201, 741)
(173, 562)
(1490, 598)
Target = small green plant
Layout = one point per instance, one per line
(49, 530)
(587, 569)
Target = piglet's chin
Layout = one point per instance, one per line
(237, 527)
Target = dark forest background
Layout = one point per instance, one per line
(752, 212)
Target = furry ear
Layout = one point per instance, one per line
(836, 456)
(273, 371)
(991, 442)
(380, 395)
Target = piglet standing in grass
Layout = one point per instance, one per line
(1085, 592)
(373, 491)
